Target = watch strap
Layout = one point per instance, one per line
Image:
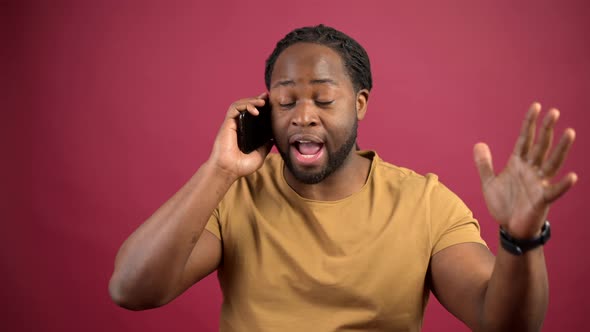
(519, 246)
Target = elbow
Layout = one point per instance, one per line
(120, 296)
(125, 297)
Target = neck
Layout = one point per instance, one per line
(348, 179)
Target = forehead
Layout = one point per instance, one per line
(304, 62)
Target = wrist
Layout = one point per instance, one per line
(518, 246)
(219, 174)
(520, 229)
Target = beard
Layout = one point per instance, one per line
(335, 160)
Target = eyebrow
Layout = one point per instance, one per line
(313, 82)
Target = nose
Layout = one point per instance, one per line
(304, 114)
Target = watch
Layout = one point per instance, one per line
(519, 246)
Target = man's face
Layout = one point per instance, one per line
(314, 115)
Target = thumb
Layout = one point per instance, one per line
(483, 162)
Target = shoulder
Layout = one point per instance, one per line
(265, 178)
(403, 177)
(255, 192)
(271, 170)
(422, 189)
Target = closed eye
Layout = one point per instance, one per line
(287, 105)
(324, 103)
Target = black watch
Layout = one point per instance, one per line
(518, 246)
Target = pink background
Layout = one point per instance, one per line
(120, 102)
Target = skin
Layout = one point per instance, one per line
(508, 293)
(312, 94)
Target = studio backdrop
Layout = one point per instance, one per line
(123, 100)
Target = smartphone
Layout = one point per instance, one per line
(254, 131)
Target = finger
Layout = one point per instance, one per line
(252, 109)
(557, 190)
(483, 162)
(235, 109)
(552, 165)
(253, 100)
(263, 95)
(241, 106)
(539, 151)
(527, 132)
(257, 101)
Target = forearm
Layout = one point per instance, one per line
(153, 258)
(517, 294)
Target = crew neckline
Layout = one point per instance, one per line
(369, 154)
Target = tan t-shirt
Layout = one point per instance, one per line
(294, 264)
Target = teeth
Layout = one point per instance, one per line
(304, 142)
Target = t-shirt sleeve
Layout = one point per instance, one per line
(213, 225)
(451, 220)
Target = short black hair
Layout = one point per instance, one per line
(354, 56)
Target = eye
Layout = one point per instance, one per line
(287, 105)
(324, 103)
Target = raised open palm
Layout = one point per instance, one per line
(518, 198)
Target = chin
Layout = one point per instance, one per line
(311, 175)
(308, 177)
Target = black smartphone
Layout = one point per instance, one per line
(254, 131)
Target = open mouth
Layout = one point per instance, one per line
(308, 149)
(307, 152)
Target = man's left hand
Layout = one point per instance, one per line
(519, 197)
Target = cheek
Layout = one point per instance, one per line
(340, 126)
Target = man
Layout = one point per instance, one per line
(327, 238)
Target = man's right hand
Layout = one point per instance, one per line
(226, 156)
(171, 251)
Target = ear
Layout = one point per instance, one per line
(362, 100)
